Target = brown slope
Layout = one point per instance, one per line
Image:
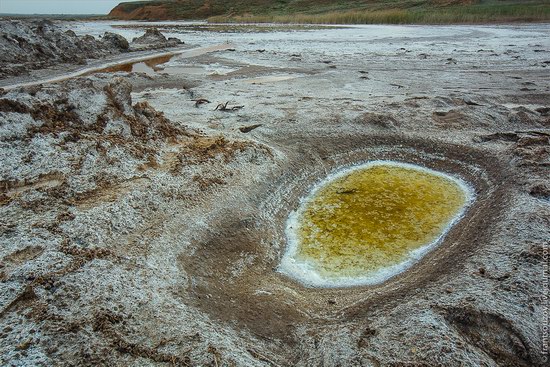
(146, 12)
(346, 11)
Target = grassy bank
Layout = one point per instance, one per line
(490, 13)
(339, 11)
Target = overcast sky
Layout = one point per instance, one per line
(58, 6)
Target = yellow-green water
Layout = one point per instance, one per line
(372, 218)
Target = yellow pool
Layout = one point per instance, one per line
(370, 222)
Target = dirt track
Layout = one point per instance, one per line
(133, 237)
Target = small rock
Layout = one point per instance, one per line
(153, 38)
(151, 35)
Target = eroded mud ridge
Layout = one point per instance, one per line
(28, 45)
(143, 224)
(38, 44)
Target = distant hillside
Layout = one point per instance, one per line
(338, 11)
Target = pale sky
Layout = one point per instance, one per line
(58, 6)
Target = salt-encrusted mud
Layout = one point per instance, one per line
(145, 227)
(38, 44)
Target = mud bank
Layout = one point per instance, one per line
(27, 45)
(141, 225)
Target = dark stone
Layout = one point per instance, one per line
(115, 41)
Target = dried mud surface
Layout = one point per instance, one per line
(142, 216)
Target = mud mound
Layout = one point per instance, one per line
(153, 38)
(148, 12)
(75, 149)
(89, 120)
(28, 45)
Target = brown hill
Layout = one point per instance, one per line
(331, 11)
(144, 12)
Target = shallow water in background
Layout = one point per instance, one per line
(150, 66)
(171, 64)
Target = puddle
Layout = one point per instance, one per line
(158, 64)
(150, 66)
(371, 222)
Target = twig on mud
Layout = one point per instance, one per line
(247, 129)
(200, 101)
(223, 107)
(469, 102)
(399, 86)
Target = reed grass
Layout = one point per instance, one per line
(440, 15)
(341, 11)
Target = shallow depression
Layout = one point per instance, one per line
(365, 224)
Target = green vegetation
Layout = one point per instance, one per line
(129, 7)
(340, 11)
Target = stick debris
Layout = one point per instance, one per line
(200, 101)
(223, 107)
